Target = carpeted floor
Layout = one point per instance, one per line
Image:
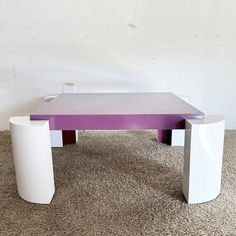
(117, 183)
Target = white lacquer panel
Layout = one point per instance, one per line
(203, 156)
(177, 137)
(33, 159)
(56, 138)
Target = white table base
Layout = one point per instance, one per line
(203, 154)
(33, 159)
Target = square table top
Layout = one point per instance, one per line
(116, 103)
(115, 106)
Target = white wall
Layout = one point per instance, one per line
(185, 46)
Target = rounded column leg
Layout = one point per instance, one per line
(203, 155)
(33, 159)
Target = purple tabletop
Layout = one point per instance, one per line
(116, 111)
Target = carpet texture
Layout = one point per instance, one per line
(117, 183)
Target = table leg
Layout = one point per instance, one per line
(33, 159)
(164, 136)
(203, 156)
(69, 136)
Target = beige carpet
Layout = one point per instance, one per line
(117, 183)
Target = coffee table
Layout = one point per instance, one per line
(204, 137)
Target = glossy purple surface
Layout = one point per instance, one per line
(116, 111)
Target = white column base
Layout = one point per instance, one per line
(177, 137)
(56, 138)
(33, 159)
(203, 155)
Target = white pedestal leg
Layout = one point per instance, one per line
(56, 138)
(177, 137)
(203, 155)
(33, 159)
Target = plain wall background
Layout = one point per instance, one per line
(187, 47)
